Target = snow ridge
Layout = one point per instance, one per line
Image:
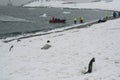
(103, 4)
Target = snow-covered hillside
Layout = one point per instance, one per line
(68, 55)
(103, 4)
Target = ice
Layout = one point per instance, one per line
(66, 12)
(5, 18)
(43, 15)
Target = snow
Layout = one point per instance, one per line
(68, 56)
(105, 5)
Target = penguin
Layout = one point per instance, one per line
(11, 48)
(90, 66)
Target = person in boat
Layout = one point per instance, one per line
(52, 18)
(81, 19)
(57, 19)
(114, 14)
(75, 20)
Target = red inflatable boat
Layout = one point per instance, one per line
(56, 20)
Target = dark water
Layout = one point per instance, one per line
(35, 22)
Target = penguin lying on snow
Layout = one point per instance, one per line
(46, 46)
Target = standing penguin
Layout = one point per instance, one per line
(90, 66)
(11, 48)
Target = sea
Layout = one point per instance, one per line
(15, 21)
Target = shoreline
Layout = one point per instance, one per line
(83, 25)
(72, 8)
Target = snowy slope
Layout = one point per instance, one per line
(106, 5)
(67, 58)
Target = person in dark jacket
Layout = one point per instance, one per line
(114, 14)
(119, 13)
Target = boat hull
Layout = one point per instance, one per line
(57, 21)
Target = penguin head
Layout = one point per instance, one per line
(93, 59)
